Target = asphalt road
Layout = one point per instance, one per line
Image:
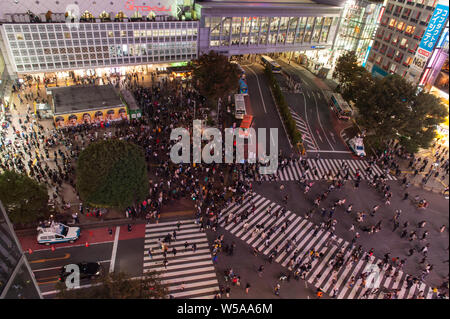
(264, 110)
(124, 251)
(311, 105)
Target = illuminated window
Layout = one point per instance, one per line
(410, 29)
(393, 23)
(401, 26)
(19, 36)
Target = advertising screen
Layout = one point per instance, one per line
(431, 35)
(90, 117)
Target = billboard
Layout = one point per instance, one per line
(431, 35)
(90, 117)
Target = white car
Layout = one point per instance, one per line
(57, 233)
(357, 146)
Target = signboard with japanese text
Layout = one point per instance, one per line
(431, 35)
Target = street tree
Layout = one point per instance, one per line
(117, 285)
(352, 77)
(392, 109)
(25, 200)
(112, 173)
(215, 77)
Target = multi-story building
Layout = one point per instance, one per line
(67, 35)
(254, 27)
(16, 278)
(407, 35)
(357, 27)
(108, 36)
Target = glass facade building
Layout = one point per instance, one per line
(235, 28)
(358, 26)
(16, 278)
(108, 34)
(47, 47)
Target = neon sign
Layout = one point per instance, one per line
(129, 5)
(435, 26)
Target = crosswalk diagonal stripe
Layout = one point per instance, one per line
(282, 236)
(240, 225)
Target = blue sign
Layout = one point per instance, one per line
(378, 72)
(431, 35)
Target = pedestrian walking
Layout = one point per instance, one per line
(150, 253)
(247, 288)
(442, 229)
(186, 245)
(277, 289)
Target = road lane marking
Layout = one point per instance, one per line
(259, 87)
(307, 123)
(66, 256)
(325, 151)
(114, 250)
(318, 119)
(90, 244)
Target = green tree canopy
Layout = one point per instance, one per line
(352, 77)
(24, 199)
(117, 286)
(112, 173)
(391, 108)
(215, 77)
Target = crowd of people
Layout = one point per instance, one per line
(49, 156)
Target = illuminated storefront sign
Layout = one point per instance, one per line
(433, 30)
(129, 5)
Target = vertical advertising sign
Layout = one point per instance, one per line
(431, 35)
(428, 42)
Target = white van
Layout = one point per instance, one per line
(357, 146)
(57, 233)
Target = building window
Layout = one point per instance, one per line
(401, 26)
(308, 29)
(392, 23)
(410, 29)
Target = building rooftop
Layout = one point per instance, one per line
(73, 99)
(269, 3)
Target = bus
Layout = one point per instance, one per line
(342, 109)
(246, 123)
(272, 64)
(241, 103)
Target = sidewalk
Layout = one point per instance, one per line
(434, 184)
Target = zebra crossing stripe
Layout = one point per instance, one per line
(300, 230)
(195, 284)
(353, 274)
(188, 278)
(285, 239)
(241, 223)
(194, 269)
(288, 216)
(194, 292)
(313, 274)
(305, 248)
(329, 268)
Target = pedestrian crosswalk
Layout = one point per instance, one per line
(344, 282)
(188, 274)
(308, 142)
(320, 169)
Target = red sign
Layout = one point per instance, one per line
(424, 53)
(129, 5)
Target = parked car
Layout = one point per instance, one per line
(57, 233)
